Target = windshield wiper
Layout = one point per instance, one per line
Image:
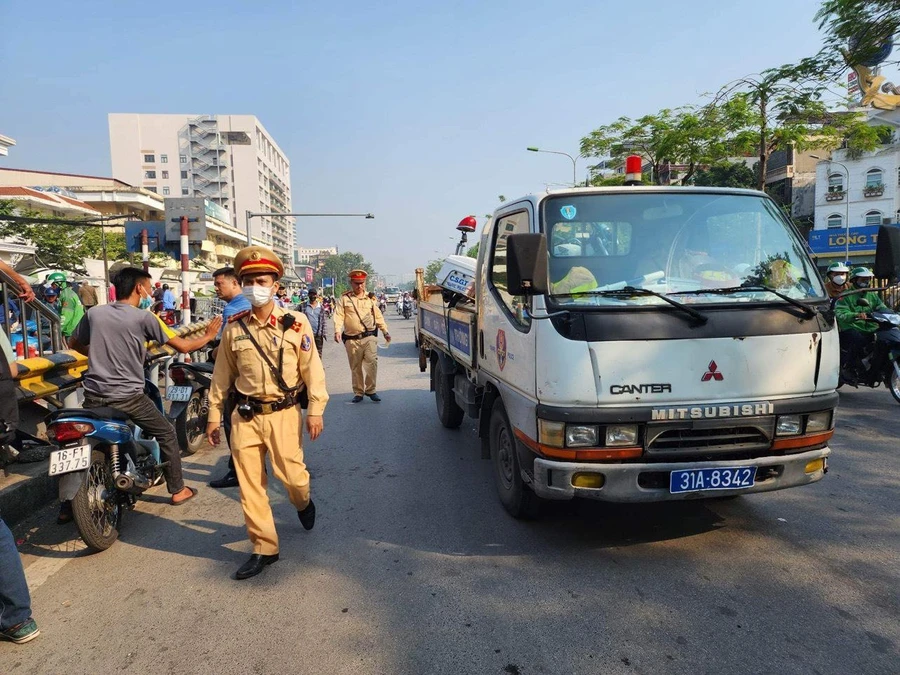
(807, 310)
(631, 291)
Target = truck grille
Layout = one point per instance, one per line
(679, 440)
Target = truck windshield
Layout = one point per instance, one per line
(686, 244)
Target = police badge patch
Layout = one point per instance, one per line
(304, 343)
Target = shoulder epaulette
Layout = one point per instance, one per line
(239, 315)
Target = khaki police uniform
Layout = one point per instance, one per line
(239, 367)
(354, 316)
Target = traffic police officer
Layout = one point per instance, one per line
(357, 321)
(266, 353)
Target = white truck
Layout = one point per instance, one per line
(636, 344)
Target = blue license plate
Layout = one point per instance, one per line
(695, 480)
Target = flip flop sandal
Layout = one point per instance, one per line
(186, 499)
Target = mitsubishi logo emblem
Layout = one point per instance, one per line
(712, 374)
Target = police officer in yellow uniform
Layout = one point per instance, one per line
(357, 321)
(266, 356)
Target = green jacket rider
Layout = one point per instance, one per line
(850, 311)
(70, 308)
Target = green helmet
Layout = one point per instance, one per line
(837, 267)
(58, 278)
(861, 272)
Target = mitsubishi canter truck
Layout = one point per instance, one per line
(636, 344)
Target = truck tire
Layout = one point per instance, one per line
(450, 414)
(517, 498)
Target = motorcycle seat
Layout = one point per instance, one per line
(104, 413)
(200, 366)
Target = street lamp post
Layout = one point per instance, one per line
(558, 152)
(846, 205)
(251, 214)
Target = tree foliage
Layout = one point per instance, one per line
(431, 271)
(726, 174)
(855, 31)
(473, 250)
(779, 109)
(338, 266)
(688, 135)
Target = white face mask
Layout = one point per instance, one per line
(839, 279)
(259, 296)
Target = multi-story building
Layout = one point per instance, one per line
(304, 256)
(229, 160)
(855, 194)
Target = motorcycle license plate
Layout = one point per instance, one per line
(726, 478)
(179, 393)
(67, 460)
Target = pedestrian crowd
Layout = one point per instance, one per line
(267, 368)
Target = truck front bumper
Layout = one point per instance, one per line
(649, 482)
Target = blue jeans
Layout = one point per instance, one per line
(15, 603)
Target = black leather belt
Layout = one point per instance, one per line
(360, 336)
(268, 407)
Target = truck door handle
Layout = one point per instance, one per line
(481, 343)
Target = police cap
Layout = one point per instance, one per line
(258, 260)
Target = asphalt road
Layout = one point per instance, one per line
(414, 567)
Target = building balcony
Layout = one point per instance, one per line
(834, 195)
(873, 190)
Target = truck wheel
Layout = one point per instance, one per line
(516, 497)
(450, 414)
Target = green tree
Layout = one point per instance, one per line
(855, 33)
(62, 246)
(782, 108)
(431, 271)
(338, 266)
(726, 174)
(688, 135)
(473, 250)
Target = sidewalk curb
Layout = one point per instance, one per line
(23, 497)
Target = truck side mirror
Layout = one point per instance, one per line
(526, 264)
(887, 254)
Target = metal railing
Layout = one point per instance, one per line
(32, 324)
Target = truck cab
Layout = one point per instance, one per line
(641, 344)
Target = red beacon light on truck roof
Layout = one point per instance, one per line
(633, 166)
(468, 224)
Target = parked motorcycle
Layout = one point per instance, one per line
(881, 354)
(189, 403)
(104, 462)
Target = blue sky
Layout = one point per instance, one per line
(418, 113)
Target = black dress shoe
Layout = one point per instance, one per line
(308, 516)
(375, 397)
(356, 399)
(255, 565)
(230, 479)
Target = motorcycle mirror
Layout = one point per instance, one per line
(887, 253)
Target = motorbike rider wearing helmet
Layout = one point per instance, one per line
(70, 308)
(836, 279)
(851, 312)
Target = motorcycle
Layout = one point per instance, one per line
(104, 462)
(189, 403)
(407, 308)
(880, 360)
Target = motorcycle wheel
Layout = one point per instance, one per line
(190, 425)
(96, 508)
(894, 384)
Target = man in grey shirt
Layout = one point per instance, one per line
(116, 334)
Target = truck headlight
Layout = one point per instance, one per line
(788, 425)
(621, 435)
(552, 433)
(818, 422)
(581, 436)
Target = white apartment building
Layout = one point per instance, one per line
(860, 193)
(304, 256)
(230, 160)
